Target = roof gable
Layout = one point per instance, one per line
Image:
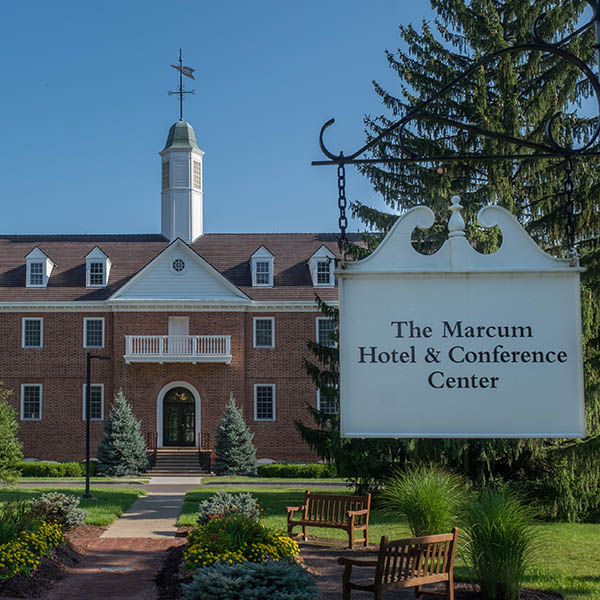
(179, 273)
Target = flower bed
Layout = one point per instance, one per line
(233, 539)
(22, 555)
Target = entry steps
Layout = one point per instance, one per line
(174, 461)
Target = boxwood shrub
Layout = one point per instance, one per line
(52, 469)
(310, 471)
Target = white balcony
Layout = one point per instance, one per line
(178, 348)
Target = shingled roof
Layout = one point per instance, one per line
(228, 253)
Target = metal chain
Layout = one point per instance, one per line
(342, 203)
(569, 208)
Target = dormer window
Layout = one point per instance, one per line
(261, 264)
(36, 273)
(39, 267)
(321, 265)
(97, 268)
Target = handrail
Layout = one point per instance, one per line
(152, 448)
(178, 345)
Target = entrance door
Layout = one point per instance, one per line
(179, 418)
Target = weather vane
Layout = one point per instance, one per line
(188, 72)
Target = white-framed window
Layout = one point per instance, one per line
(324, 272)
(97, 268)
(326, 331)
(261, 264)
(165, 175)
(93, 332)
(321, 266)
(264, 332)
(33, 332)
(96, 401)
(31, 402)
(263, 272)
(38, 269)
(96, 274)
(264, 402)
(326, 404)
(36, 274)
(197, 175)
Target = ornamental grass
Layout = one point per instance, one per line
(235, 539)
(22, 555)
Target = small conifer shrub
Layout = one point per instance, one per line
(236, 455)
(10, 446)
(123, 449)
(62, 508)
(223, 503)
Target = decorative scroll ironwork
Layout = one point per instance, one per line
(550, 148)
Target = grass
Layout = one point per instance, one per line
(108, 506)
(566, 561)
(252, 480)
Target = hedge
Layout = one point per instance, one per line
(311, 471)
(51, 469)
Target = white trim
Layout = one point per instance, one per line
(100, 385)
(85, 320)
(193, 256)
(23, 386)
(334, 345)
(272, 319)
(272, 386)
(159, 409)
(41, 320)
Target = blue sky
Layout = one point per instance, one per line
(86, 110)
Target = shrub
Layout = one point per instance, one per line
(500, 540)
(428, 496)
(249, 581)
(223, 503)
(235, 538)
(122, 451)
(22, 556)
(311, 471)
(61, 508)
(50, 469)
(10, 446)
(235, 452)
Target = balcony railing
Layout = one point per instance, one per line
(178, 348)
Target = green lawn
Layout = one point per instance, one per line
(216, 480)
(567, 560)
(108, 506)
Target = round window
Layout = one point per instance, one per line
(178, 265)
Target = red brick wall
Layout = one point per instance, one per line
(60, 367)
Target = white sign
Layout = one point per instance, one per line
(458, 343)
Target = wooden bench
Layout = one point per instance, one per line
(350, 513)
(411, 562)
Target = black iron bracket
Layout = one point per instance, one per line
(550, 148)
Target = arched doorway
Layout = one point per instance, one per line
(179, 418)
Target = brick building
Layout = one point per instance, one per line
(187, 318)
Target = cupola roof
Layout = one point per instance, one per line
(181, 135)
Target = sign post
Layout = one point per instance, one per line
(458, 343)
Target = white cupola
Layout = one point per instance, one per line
(181, 208)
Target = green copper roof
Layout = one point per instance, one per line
(181, 135)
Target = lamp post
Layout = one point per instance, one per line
(88, 421)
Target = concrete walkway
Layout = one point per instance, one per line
(155, 514)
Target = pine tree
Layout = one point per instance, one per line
(515, 95)
(10, 446)
(122, 451)
(235, 453)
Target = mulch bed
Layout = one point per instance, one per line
(51, 569)
(321, 561)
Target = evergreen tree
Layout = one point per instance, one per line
(236, 455)
(516, 95)
(122, 451)
(10, 446)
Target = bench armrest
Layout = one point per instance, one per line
(356, 513)
(359, 562)
(292, 509)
